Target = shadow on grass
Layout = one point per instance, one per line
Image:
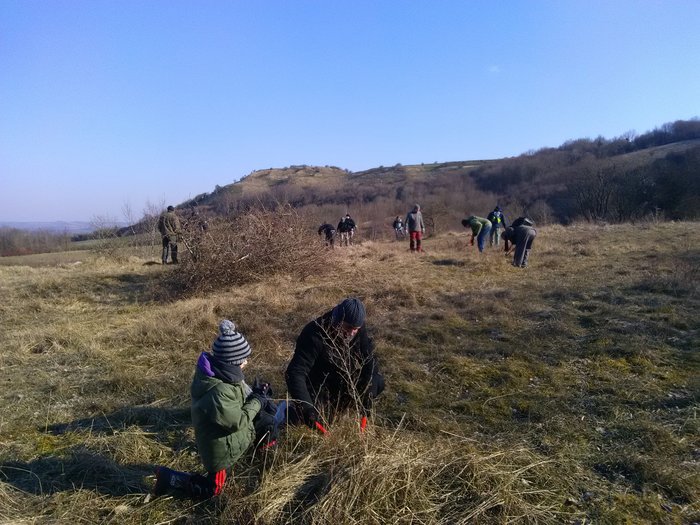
(105, 290)
(449, 262)
(81, 469)
(127, 288)
(148, 417)
(306, 496)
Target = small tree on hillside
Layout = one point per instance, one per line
(593, 190)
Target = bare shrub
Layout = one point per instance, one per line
(248, 248)
(105, 234)
(541, 212)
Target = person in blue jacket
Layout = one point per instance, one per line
(498, 223)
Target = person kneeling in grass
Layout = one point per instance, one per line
(227, 414)
(334, 367)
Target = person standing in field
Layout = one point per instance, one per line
(398, 228)
(498, 223)
(347, 228)
(480, 230)
(228, 416)
(415, 228)
(169, 228)
(522, 234)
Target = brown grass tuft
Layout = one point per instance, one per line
(389, 475)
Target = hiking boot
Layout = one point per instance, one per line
(169, 480)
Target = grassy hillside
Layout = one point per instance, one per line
(563, 393)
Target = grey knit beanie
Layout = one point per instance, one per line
(230, 347)
(350, 310)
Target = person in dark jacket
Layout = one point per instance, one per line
(346, 228)
(169, 228)
(226, 413)
(399, 231)
(522, 234)
(498, 223)
(334, 366)
(328, 231)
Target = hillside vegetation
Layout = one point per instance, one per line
(615, 180)
(563, 393)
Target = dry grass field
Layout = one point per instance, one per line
(566, 392)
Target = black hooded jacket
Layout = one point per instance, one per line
(326, 369)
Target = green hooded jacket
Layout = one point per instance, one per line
(222, 420)
(477, 223)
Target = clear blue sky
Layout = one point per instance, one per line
(106, 103)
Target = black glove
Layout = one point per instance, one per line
(311, 415)
(263, 399)
(263, 389)
(265, 430)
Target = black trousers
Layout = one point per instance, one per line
(168, 244)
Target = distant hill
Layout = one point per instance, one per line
(70, 227)
(618, 179)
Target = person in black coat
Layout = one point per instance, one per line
(334, 366)
(329, 232)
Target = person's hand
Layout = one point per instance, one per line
(311, 415)
(471, 241)
(261, 398)
(263, 389)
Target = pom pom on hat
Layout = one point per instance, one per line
(227, 327)
(230, 347)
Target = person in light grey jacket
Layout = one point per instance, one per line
(416, 228)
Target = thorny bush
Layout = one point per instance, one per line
(248, 248)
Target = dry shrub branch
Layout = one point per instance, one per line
(249, 248)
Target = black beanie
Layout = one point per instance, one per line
(351, 310)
